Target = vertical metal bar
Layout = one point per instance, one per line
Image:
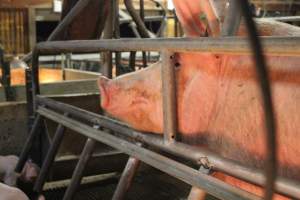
(116, 24)
(169, 97)
(78, 172)
(142, 14)
(232, 19)
(264, 83)
(126, 178)
(107, 66)
(59, 134)
(25, 151)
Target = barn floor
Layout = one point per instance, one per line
(149, 184)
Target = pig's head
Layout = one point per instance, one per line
(134, 98)
(29, 172)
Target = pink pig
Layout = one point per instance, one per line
(218, 100)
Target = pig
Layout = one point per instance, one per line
(11, 193)
(219, 103)
(10, 177)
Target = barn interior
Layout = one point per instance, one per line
(51, 55)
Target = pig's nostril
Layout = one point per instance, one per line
(102, 83)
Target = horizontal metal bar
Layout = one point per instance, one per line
(283, 186)
(227, 45)
(187, 174)
(285, 18)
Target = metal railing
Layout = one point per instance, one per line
(85, 122)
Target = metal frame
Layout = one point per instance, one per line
(80, 120)
(283, 186)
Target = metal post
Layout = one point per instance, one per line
(142, 15)
(25, 151)
(78, 172)
(108, 34)
(59, 134)
(232, 19)
(169, 97)
(126, 178)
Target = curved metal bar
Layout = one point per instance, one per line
(80, 5)
(137, 19)
(264, 82)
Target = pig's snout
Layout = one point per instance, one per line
(102, 84)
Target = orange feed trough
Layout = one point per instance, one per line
(45, 75)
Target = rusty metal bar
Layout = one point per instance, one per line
(232, 19)
(230, 45)
(195, 154)
(25, 151)
(169, 97)
(80, 5)
(126, 178)
(43, 175)
(78, 172)
(265, 87)
(185, 173)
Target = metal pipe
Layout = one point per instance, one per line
(196, 154)
(229, 45)
(107, 66)
(137, 19)
(126, 178)
(169, 97)
(142, 15)
(232, 19)
(43, 175)
(78, 172)
(187, 174)
(264, 83)
(25, 151)
(80, 5)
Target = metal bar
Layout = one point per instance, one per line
(232, 19)
(78, 172)
(196, 193)
(196, 154)
(116, 24)
(187, 174)
(43, 175)
(285, 18)
(107, 66)
(137, 19)
(229, 45)
(169, 97)
(80, 5)
(142, 15)
(26, 149)
(264, 83)
(126, 178)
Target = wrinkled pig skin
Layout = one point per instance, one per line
(218, 101)
(11, 193)
(9, 176)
